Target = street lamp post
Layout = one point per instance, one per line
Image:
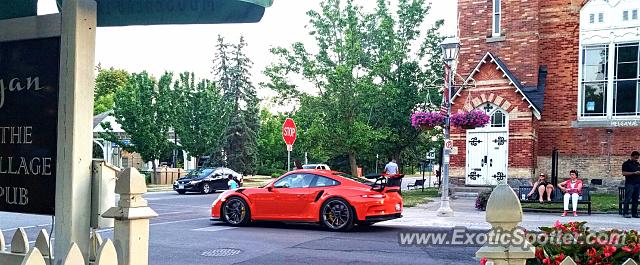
(450, 48)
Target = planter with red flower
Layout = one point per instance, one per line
(575, 240)
(427, 120)
(469, 120)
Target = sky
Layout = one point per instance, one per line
(179, 48)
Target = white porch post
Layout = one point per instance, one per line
(131, 229)
(75, 119)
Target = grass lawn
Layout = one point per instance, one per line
(599, 203)
(256, 181)
(414, 197)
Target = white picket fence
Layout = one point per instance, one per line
(130, 233)
(104, 252)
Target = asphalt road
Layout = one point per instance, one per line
(183, 234)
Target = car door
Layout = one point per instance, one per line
(293, 192)
(266, 204)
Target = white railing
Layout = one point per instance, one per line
(131, 233)
(20, 246)
(104, 255)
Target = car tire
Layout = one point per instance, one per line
(205, 188)
(235, 212)
(181, 191)
(337, 215)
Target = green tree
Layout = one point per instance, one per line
(143, 110)
(272, 154)
(243, 124)
(199, 115)
(108, 82)
(367, 78)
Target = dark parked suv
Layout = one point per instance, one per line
(206, 180)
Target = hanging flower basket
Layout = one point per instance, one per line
(427, 120)
(470, 120)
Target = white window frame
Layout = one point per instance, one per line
(611, 71)
(636, 79)
(488, 127)
(625, 15)
(496, 30)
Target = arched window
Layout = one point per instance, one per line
(498, 119)
(498, 116)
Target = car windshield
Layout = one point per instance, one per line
(309, 166)
(200, 173)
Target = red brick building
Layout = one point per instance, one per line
(552, 74)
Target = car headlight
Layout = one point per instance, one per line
(398, 207)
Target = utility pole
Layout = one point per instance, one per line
(450, 48)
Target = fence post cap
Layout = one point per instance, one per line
(503, 206)
(130, 181)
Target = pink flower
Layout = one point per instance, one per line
(483, 261)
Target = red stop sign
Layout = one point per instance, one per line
(289, 131)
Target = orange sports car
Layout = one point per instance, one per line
(333, 199)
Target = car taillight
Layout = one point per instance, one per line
(377, 196)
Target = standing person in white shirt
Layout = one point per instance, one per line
(391, 167)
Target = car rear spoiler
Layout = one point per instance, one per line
(386, 182)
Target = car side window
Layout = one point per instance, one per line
(295, 181)
(325, 182)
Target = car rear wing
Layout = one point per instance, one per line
(386, 182)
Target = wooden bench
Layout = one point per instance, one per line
(418, 183)
(556, 196)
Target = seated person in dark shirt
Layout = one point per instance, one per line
(542, 186)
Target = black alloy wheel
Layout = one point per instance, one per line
(235, 211)
(337, 215)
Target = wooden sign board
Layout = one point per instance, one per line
(29, 85)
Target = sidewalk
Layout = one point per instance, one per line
(466, 215)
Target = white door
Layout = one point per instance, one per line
(476, 152)
(487, 158)
(497, 155)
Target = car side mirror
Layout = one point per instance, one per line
(270, 188)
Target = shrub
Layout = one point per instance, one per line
(481, 201)
(278, 173)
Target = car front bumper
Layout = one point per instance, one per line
(187, 187)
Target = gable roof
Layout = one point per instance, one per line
(533, 95)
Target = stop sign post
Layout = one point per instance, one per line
(289, 135)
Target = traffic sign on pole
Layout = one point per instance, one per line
(448, 144)
(289, 131)
(289, 135)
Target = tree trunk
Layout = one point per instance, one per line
(353, 164)
(155, 171)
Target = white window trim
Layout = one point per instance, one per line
(493, 19)
(611, 61)
(488, 128)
